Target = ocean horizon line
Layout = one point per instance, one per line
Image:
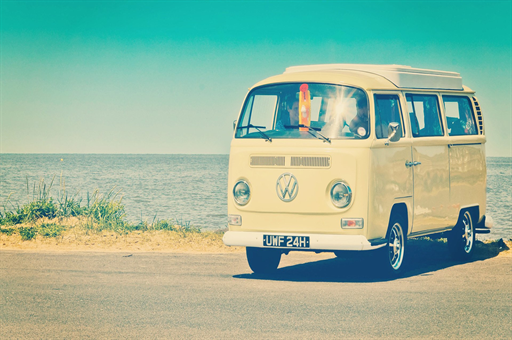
(143, 154)
(106, 154)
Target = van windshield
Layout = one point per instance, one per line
(298, 111)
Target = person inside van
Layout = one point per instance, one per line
(290, 117)
(359, 125)
(432, 123)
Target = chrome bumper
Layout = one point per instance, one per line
(327, 242)
(489, 222)
(484, 227)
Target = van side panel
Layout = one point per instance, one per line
(390, 182)
(431, 185)
(467, 176)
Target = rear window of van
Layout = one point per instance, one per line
(459, 116)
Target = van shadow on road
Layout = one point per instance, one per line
(423, 257)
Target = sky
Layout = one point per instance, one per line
(169, 77)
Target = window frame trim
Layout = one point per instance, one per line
(440, 112)
(400, 108)
(470, 102)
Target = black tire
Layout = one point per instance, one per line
(461, 240)
(263, 260)
(392, 254)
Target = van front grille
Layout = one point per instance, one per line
(479, 118)
(291, 161)
(322, 162)
(267, 161)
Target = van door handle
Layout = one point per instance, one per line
(409, 164)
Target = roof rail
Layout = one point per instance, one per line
(400, 75)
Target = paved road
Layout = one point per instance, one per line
(159, 295)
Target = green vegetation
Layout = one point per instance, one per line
(43, 215)
(27, 233)
(43, 205)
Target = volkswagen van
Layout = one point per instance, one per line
(345, 157)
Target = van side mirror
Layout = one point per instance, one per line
(394, 132)
(234, 124)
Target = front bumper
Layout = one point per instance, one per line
(319, 242)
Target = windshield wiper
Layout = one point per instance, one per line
(310, 130)
(267, 138)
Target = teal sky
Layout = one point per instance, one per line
(170, 76)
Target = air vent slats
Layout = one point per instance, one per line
(311, 161)
(291, 161)
(479, 117)
(267, 161)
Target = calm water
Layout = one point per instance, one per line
(185, 187)
(190, 188)
(499, 196)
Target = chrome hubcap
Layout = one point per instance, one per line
(468, 232)
(396, 246)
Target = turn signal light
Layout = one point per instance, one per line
(352, 223)
(234, 220)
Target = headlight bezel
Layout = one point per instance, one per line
(348, 194)
(236, 198)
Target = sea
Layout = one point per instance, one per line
(186, 188)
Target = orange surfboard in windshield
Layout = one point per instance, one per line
(304, 107)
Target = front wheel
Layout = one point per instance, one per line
(263, 260)
(392, 254)
(462, 238)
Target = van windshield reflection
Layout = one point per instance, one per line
(301, 111)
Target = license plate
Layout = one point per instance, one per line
(286, 241)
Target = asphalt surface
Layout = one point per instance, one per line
(215, 296)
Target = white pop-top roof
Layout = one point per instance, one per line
(400, 75)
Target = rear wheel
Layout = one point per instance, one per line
(392, 254)
(263, 260)
(461, 239)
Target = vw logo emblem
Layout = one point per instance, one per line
(287, 187)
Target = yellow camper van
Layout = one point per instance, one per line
(329, 158)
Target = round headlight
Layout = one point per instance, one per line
(241, 192)
(341, 194)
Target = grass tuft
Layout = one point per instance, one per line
(99, 217)
(50, 230)
(27, 233)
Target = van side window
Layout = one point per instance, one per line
(387, 110)
(459, 116)
(424, 114)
